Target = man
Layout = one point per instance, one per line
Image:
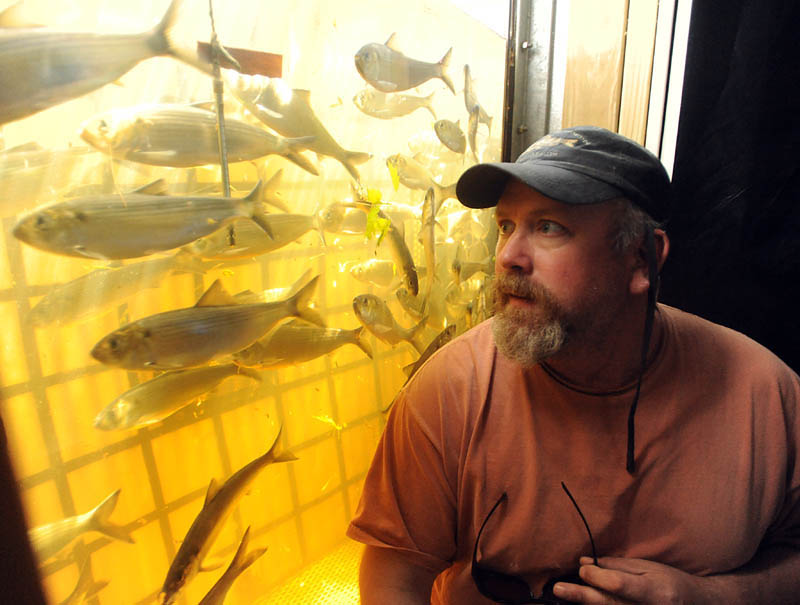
(675, 439)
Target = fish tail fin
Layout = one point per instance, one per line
(429, 105)
(414, 332)
(302, 161)
(162, 43)
(243, 559)
(269, 191)
(444, 63)
(352, 159)
(442, 194)
(299, 303)
(99, 520)
(358, 340)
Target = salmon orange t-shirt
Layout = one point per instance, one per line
(717, 471)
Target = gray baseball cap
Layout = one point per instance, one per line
(579, 165)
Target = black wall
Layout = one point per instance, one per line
(735, 231)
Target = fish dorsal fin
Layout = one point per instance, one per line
(207, 105)
(390, 42)
(213, 490)
(215, 296)
(254, 192)
(157, 187)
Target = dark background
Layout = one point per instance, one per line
(735, 231)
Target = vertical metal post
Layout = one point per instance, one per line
(218, 88)
(530, 111)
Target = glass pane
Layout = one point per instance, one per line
(140, 227)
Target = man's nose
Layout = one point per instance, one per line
(514, 254)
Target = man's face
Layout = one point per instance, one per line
(559, 285)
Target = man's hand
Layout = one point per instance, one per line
(621, 581)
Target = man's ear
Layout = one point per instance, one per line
(640, 279)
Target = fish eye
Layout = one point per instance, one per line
(40, 221)
(113, 344)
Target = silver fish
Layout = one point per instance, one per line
(216, 326)
(427, 236)
(241, 561)
(451, 135)
(377, 271)
(47, 540)
(137, 224)
(288, 112)
(96, 292)
(183, 136)
(464, 270)
(377, 318)
(413, 305)
(42, 67)
(414, 175)
(399, 251)
(437, 343)
(152, 401)
(296, 342)
(472, 131)
(389, 70)
(386, 106)
(244, 239)
(342, 217)
(218, 505)
(471, 99)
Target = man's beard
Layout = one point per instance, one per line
(527, 335)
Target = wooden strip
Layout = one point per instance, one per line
(594, 63)
(252, 61)
(638, 68)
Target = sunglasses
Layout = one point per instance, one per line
(508, 589)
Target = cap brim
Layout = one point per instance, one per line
(482, 185)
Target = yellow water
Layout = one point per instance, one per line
(329, 408)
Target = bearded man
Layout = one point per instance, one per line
(585, 418)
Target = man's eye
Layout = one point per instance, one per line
(550, 228)
(505, 227)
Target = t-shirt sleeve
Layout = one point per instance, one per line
(408, 501)
(785, 530)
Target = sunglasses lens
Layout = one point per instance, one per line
(500, 587)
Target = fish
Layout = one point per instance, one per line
(245, 239)
(413, 174)
(288, 112)
(413, 305)
(472, 131)
(133, 225)
(48, 540)
(42, 67)
(296, 342)
(375, 315)
(183, 136)
(464, 270)
(386, 106)
(240, 562)
(378, 271)
(151, 401)
(427, 236)
(219, 503)
(389, 70)
(437, 343)
(397, 246)
(451, 135)
(85, 588)
(342, 217)
(471, 99)
(96, 292)
(216, 326)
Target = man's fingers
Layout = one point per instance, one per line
(585, 594)
(634, 566)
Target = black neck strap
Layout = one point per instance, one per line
(652, 290)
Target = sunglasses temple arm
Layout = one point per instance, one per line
(480, 531)
(585, 524)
